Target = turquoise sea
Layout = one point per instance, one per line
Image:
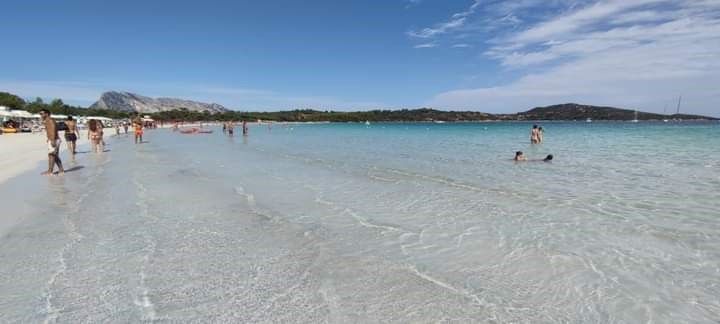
(374, 223)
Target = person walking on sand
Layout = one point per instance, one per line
(71, 135)
(138, 125)
(534, 137)
(95, 134)
(102, 133)
(53, 141)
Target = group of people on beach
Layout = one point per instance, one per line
(72, 133)
(536, 137)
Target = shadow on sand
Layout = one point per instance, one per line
(75, 168)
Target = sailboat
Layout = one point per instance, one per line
(367, 122)
(665, 113)
(635, 120)
(677, 112)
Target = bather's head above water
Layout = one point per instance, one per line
(548, 158)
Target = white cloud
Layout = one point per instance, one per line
(456, 21)
(642, 16)
(577, 20)
(609, 53)
(461, 45)
(438, 29)
(426, 45)
(410, 3)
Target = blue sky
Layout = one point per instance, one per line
(494, 56)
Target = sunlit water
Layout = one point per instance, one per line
(382, 223)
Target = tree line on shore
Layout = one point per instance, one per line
(568, 111)
(57, 106)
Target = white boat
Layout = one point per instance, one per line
(367, 122)
(635, 120)
(589, 120)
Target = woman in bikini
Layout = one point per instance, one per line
(534, 135)
(95, 134)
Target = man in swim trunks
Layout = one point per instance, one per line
(53, 141)
(138, 125)
(71, 134)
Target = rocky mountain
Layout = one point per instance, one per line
(130, 102)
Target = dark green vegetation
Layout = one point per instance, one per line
(309, 115)
(557, 112)
(56, 106)
(573, 111)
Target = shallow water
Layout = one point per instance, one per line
(380, 223)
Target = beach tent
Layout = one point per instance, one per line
(103, 119)
(21, 114)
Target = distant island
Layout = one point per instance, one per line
(119, 105)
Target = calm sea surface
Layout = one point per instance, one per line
(381, 223)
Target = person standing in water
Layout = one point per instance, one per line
(125, 126)
(245, 128)
(71, 135)
(53, 141)
(534, 137)
(230, 128)
(138, 125)
(540, 134)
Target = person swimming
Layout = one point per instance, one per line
(520, 157)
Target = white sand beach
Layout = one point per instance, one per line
(24, 151)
